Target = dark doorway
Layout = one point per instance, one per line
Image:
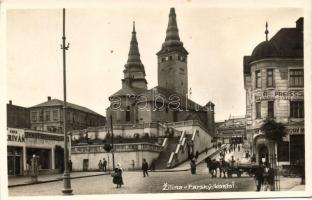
(263, 154)
(59, 158)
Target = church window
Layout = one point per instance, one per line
(181, 83)
(128, 114)
(170, 57)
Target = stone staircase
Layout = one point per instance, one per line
(161, 162)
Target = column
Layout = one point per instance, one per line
(24, 159)
(52, 158)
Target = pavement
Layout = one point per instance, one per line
(25, 180)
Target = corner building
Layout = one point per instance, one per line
(274, 84)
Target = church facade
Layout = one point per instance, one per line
(168, 102)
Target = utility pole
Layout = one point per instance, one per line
(66, 176)
(113, 157)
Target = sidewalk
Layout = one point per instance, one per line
(24, 180)
(291, 184)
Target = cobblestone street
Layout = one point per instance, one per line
(135, 183)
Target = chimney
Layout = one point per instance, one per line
(10, 102)
(49, 98)
(299, 24)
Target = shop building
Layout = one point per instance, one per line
(22, 144)
(274, 84)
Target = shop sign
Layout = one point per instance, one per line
(15, 136)
(280, 95)
(42, 136)
(297, 130)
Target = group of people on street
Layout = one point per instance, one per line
(264, 176)
(103, 165)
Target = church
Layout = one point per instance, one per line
(168, 102)
(161, 124)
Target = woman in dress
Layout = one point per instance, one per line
(117, 177)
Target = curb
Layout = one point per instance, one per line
(54, 180)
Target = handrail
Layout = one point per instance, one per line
(170, 159)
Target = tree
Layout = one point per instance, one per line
(274, 132)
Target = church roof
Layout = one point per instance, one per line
(170, 96)
(57, 102)
(126, 90)
(134, 60)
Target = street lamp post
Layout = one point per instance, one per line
(111, 124)
(66, 176)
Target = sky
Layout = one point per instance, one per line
(216, 39)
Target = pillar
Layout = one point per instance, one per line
(24, 159)
(52, 158)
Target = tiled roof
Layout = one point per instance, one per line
(57, 102)
(126, 90)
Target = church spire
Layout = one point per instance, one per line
(134, 54)
(172, 33)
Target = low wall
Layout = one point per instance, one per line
(128, 155)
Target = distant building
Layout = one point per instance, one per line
(274, 84)
(232, 130)
(48, 116)
(17, 116)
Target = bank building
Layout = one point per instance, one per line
(274, 85)
(160, 124)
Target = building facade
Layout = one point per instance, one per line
(22, 144)
(48, 116)
(274, 84)
(17, 116)
(232, 130)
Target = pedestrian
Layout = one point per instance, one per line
(193, 166)
(70, 166)
(270, 179)
(259, 177)
(34, 169)
(152, 167)
(196, 154)
(117, 176)
(238, 147)
(144, 167)
(104, 164)
(100, 165)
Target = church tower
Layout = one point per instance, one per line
(134, 72)
(172, 60)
